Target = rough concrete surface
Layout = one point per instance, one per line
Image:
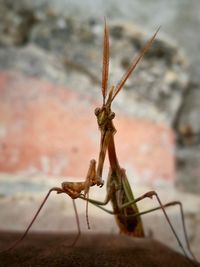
(91, 250)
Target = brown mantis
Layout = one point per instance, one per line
(118, 189)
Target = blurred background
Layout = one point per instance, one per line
(50, 80)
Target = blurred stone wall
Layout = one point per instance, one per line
(60, 42)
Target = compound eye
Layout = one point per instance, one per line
(97, 111)
(112, 115)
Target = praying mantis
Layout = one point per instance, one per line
(119, 192)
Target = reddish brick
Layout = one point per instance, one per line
(49, 128)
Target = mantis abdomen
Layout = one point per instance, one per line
(127, 220)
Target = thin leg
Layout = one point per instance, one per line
(170, 204)
(99, 204)
(150, 194)
(87, 208)
(96, 202)
(78, 225)
(57, 189)
(102, 208)
(162, 207)
(174, 203)
(90, 180)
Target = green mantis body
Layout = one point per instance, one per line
(119, 192)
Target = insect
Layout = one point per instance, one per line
(119, 192)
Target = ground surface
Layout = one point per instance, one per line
(91, 250)
(20, 197)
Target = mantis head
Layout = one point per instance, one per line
(104, 114)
